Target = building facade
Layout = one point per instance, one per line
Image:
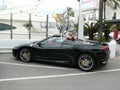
(90, 11)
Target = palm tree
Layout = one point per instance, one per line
(91, 29)
(112, 3)
(102, 4)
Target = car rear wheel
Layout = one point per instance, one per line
(25, 55)
(86, 62)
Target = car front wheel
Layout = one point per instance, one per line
(25, 55)
(86, 62)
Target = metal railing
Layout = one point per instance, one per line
(12, 34)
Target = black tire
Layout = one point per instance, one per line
(86, 62)
(25, 55)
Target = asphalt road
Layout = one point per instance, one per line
(17, 75)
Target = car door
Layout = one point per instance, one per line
(49, 50)
(68, 50)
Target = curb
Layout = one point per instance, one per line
(117, 56)
(5, 52)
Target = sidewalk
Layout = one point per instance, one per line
(118, 52)
(117, 56)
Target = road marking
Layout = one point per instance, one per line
(38, 66)
(58, 76)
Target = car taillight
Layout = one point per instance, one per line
(105, 48)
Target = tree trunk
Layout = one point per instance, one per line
(104, 9)
(100, 18)
(90, 34)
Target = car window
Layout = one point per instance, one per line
(67, 42)
(53, 41)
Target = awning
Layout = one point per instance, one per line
(114, 21)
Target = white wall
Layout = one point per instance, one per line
(110, 13)
(12, 43)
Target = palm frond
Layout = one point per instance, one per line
(113, 3)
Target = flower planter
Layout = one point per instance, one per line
(112, 47)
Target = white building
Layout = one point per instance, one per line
(90, 11)
(110, 13)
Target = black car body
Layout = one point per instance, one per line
(85, 54)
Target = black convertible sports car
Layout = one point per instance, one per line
(85, 54)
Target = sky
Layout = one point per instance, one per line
(15, 3)
(43, 3)
(55, 4)
(44, 6)
(58, 6)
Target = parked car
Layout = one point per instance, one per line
(84, 54)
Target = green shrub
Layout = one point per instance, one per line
(102, 39)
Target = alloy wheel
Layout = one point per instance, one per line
(25, 55)
(86, 62)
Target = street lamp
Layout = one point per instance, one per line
(80, 22)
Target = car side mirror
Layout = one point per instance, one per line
(40, 44)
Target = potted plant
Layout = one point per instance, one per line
(106, 30)
(105, 38)
(91, 29)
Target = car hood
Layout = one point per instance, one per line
(27, 44)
